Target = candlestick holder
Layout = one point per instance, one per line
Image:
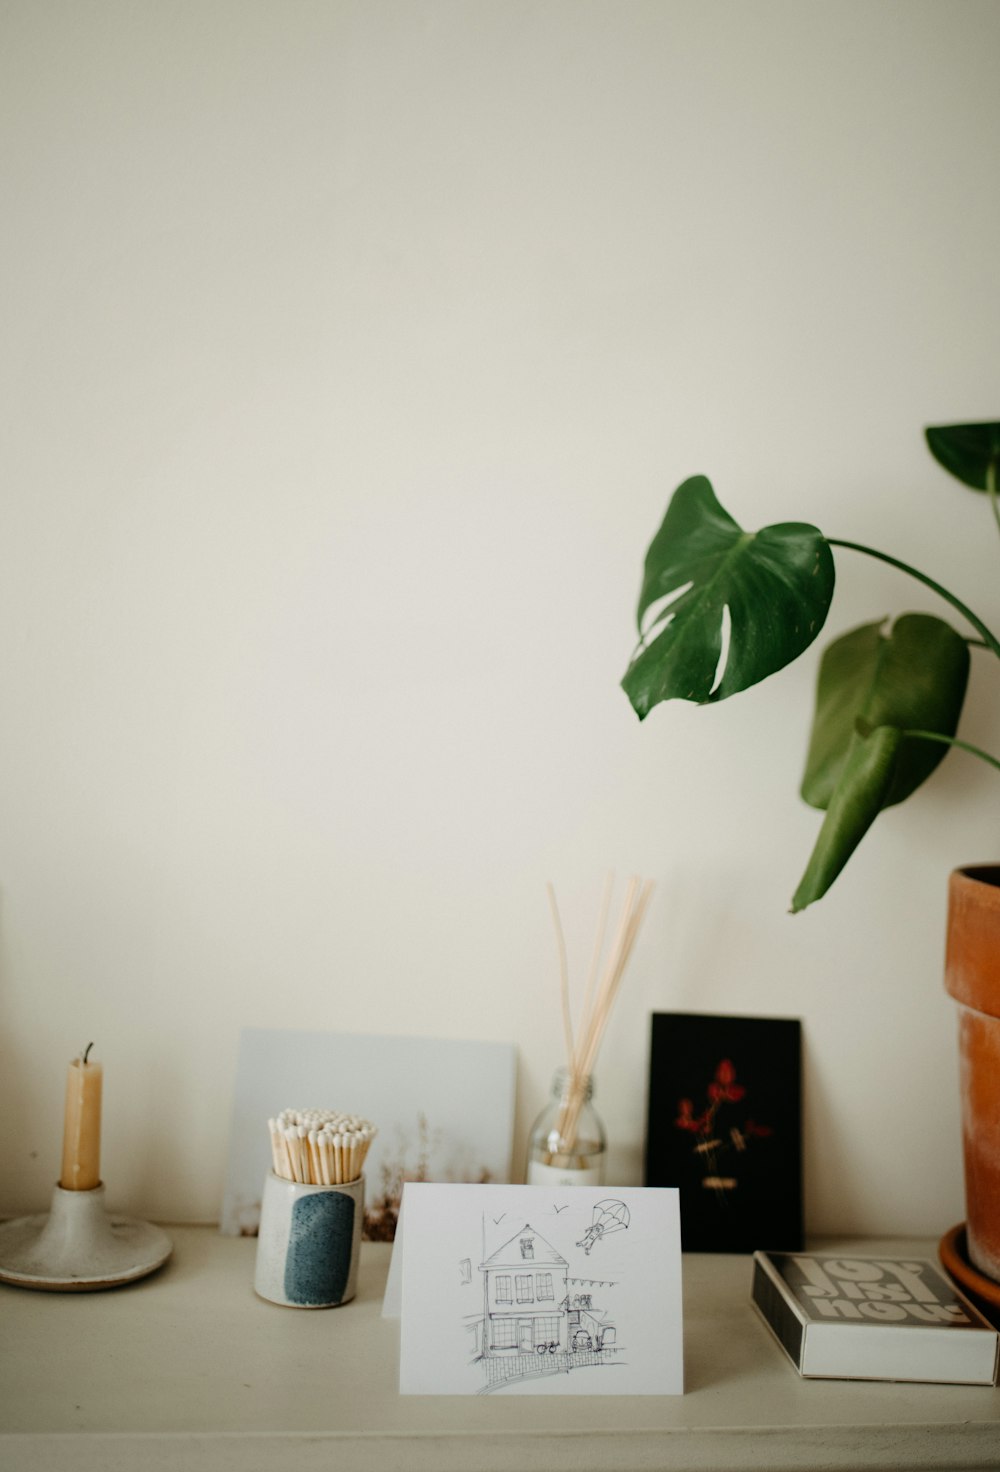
(79, 1246)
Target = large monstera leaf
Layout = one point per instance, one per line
(968, 451)
(775, 584)
(874, 688)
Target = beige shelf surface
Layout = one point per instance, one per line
(189, 1369)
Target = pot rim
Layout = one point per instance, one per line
(985, 873)
(972, 951)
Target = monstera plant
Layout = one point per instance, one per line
(722, 608)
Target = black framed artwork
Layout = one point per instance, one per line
(725, 1126)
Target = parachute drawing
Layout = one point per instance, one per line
(609, 1216)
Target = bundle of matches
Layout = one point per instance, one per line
(582, 1050)
(319, 1147)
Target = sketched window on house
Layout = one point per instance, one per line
(543, 1286)
(505, 1334)
(524, 1293)
(547, 1329)
(503, 1288)
(527, 1247)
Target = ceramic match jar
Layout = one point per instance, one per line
(309, 1242)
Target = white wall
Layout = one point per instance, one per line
(350, 354)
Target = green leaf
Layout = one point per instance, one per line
(777, 585)
(966, 450)
(867, 776)
(871, 688)
(914, 677)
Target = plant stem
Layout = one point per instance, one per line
(954, 741)
(921, 577)
(991, 489)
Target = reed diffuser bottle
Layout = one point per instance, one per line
(567, 1141)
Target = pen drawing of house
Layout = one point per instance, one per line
(533, 1322)
(526, 1286)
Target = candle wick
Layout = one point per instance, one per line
(89, 1046)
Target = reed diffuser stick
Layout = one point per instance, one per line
(599, 937)
(581, 1057)
(563, 971)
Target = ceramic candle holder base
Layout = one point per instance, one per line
(309, 1242)
(79, 1246)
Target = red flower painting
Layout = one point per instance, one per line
(717, 1143)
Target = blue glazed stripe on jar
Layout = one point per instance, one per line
(308, 1245)
(320, 1245)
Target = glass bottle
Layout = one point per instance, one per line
(567, 1142)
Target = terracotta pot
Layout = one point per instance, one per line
(972, 976)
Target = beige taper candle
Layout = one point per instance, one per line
(81, 1159)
